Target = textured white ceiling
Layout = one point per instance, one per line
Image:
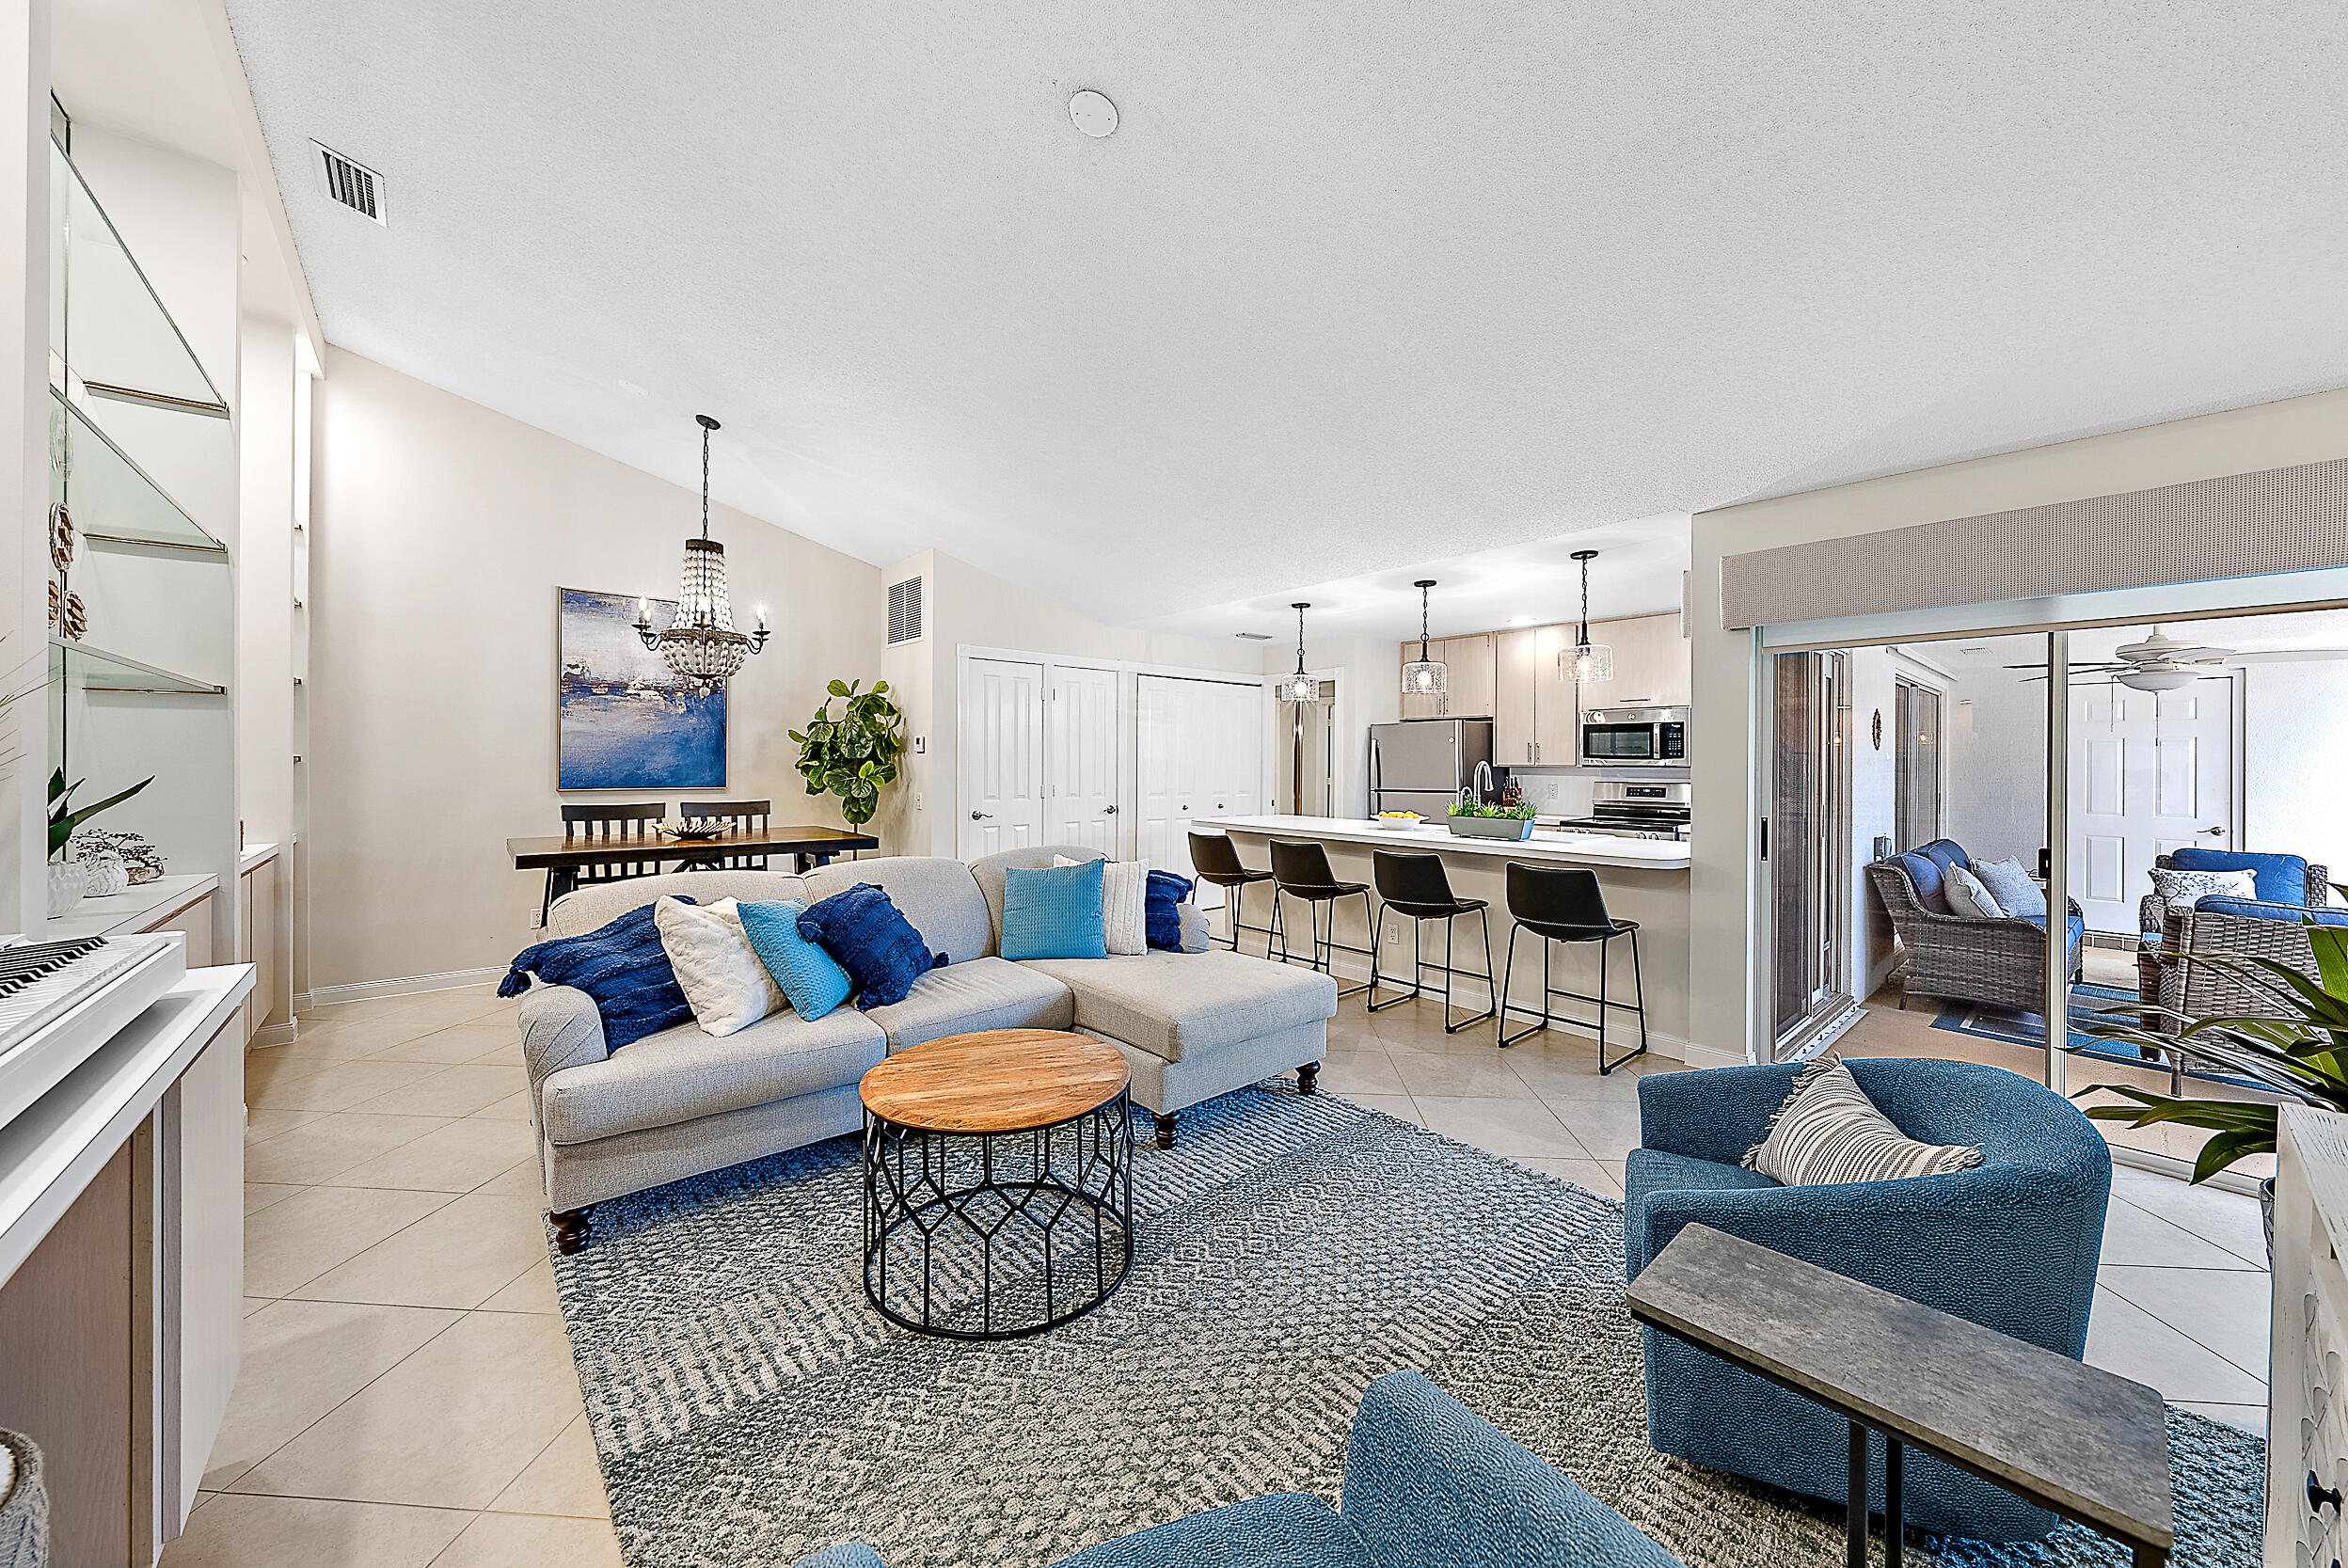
(1358, 284)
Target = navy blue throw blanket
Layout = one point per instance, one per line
(1162, 923)
(623, 966)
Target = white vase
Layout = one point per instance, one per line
(67, 880)
(105, 875)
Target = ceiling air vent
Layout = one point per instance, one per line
(905, 624)
(1253, 636)
(349, 181)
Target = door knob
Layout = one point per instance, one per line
(2321, 1495)
(1108, 811)
(2215, 832)
(980, 816)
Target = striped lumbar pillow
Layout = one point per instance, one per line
(1829, 1130)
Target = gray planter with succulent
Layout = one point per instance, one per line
(1470, 820)
(2300, 1053)
(854, 755)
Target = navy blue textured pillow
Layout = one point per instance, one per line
(622, 966)
(1160, 917)
(873, 942)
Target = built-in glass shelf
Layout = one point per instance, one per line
(94, 669)
(111, 497)
(106, 323)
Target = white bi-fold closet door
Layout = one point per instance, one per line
(1042, 748)
(1201, 753)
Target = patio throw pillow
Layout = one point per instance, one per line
(811, 978)
(716, 967)
(1124, 885)
(1054, 912)
(2016, 891)
(1829, 1130)
(1968, 897)
(873, 942)
(1169, 896)
(2186, 889)
(622, 968)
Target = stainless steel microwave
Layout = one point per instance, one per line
(1634, 737)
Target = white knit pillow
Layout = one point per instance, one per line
(717, 969)
(1124, 904)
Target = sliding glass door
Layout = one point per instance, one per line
(1916, 765)
(1809, 846)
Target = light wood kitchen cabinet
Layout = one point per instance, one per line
(1557, 728)
(1471, 677)
(1516, 696)
(1650, 663)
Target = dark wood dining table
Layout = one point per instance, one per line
(806, 847)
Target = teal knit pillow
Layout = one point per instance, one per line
(811, 978)
(1054, 912)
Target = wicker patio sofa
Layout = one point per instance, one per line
(1996, 963)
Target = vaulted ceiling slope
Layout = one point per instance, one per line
(1356, 283)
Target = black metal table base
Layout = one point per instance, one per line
(998, 1235)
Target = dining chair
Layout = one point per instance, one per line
(594, 822)
(754, 815)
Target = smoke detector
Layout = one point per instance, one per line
(349, 181)
(1094, 114)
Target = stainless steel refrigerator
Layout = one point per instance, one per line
(1422, 764)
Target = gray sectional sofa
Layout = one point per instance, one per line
(1191, 1025)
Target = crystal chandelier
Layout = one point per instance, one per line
(1424, 676)
(1301, 687)
(1588, 661)
(700, 643)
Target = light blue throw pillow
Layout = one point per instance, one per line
(1054, 912)
(811, 978)
(2016, 892)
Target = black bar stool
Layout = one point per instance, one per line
(1303, 869)
(1564, 904)
(1215, 860)
(1413, 885)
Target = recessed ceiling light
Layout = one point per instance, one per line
(1094, 114)
(1520, 620)
(1253, 636)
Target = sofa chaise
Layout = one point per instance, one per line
(1428, 1484)
(1191, 1025)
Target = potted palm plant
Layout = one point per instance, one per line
(2300, 1052)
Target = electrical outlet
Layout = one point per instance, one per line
(917, 799)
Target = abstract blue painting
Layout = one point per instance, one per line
(622, 719)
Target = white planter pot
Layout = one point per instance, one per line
(105, 875)
(68, 880)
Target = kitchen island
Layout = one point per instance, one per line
(1642, 880)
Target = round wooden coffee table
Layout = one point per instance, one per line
(998, 1183)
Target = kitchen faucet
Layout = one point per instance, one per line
(1486, 788)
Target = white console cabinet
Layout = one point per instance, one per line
(2307, 1455)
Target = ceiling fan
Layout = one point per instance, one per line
(2164, 663)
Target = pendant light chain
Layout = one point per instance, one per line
(1424, 676)
(1590, 662)
(706, 427)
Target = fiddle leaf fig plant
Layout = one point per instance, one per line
(855, 755)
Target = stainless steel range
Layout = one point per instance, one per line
(1629, 809)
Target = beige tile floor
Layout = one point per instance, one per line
(407, 1396)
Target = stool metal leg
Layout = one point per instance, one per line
(1483, 918)
(1378, 939)
(1508, 976)
(1233, 904)
(1638, 1005)
(1328, 948)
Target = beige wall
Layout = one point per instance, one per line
(440, 532)
(970, 608)
(1724, 876)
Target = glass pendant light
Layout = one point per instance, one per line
(700, 643)
(1301, 687)
(1424, 676)
(1587, 661)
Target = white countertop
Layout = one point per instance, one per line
(1643, 854)
(255, 855)
(49, 1153)
(134, 908)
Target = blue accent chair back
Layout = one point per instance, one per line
(2012, 1244)
(1428, 1484)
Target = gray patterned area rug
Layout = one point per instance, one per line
(749, 1406)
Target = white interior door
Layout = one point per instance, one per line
(1082, 746)
(1200, 748)
(1000, 736)
(2150, 771)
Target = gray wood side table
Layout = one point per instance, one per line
(2088, 1445)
